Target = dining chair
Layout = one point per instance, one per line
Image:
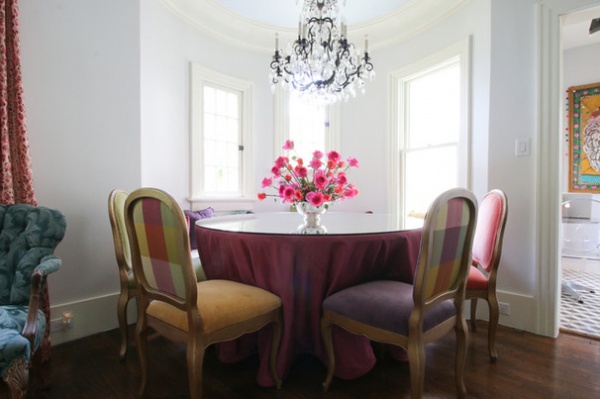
(173, 303)
(129, 290)
(486, 253)
(410, 316)
(116, 215)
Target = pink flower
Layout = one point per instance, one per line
(315, 163)
(324, 180)
(333, 156)
(315, 198)
(266, 182)
(320, 179)
(289, 193)
(302, 172)
(289, 145)
(280, 162)
(350, 192)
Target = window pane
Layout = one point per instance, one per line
(432, 133)
(433, 102)
(429, 173)
(221, 141)
(308, 126)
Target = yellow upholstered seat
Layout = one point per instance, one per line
(173, 303)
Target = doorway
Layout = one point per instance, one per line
(580, 212)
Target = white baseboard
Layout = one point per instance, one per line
(95, 315)
(89, 317)
(521, 309)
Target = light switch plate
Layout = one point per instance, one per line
(522, 147)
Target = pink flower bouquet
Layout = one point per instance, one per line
(318, 183)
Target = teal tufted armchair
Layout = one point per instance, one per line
(28, 236)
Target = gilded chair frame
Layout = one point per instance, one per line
(116, 215)
(416, 339)
(491, 272)
(192, 334)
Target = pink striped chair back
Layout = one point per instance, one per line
(445, 254)
(160, 247)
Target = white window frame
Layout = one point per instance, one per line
(282, 123)
(201, 76)
(398, 132)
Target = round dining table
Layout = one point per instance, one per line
(265, 250)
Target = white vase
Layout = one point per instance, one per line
(312, 218)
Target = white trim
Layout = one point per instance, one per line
(210, 17)
(90, 316)
(281, 118)
(199, 76)
(460, 51)
(549, 161)
(548, 172)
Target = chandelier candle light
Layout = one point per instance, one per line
(321, 64)
(310, 189)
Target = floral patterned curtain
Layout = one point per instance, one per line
(16, 177)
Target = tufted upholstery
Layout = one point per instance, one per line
(28, 237)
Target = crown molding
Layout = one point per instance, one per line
(216, 21)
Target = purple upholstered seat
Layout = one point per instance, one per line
(387, 305)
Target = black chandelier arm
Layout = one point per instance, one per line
(367, 62)
(329, 25)
(275, 64)
(302, 48)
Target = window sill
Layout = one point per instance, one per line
(222, 204)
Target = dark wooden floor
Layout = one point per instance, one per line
(528, 367)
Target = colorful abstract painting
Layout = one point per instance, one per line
(584, 138)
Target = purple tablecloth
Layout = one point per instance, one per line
(303, 271)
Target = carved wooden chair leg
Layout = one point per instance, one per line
(17, 378)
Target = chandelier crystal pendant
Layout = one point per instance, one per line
(321, 64)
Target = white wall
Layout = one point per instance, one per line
(81, 66)
(512, 117)
(166, 54)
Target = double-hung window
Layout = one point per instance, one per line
(221, 137)
(431, 133)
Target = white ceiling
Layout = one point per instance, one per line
(252, 24)
(254, 21)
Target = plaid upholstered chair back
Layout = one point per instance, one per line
(160, 248)
(445, 254)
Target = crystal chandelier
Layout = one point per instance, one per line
(321, 64)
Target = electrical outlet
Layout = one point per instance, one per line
(56, 325)
(62, 324)
(504, 308)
